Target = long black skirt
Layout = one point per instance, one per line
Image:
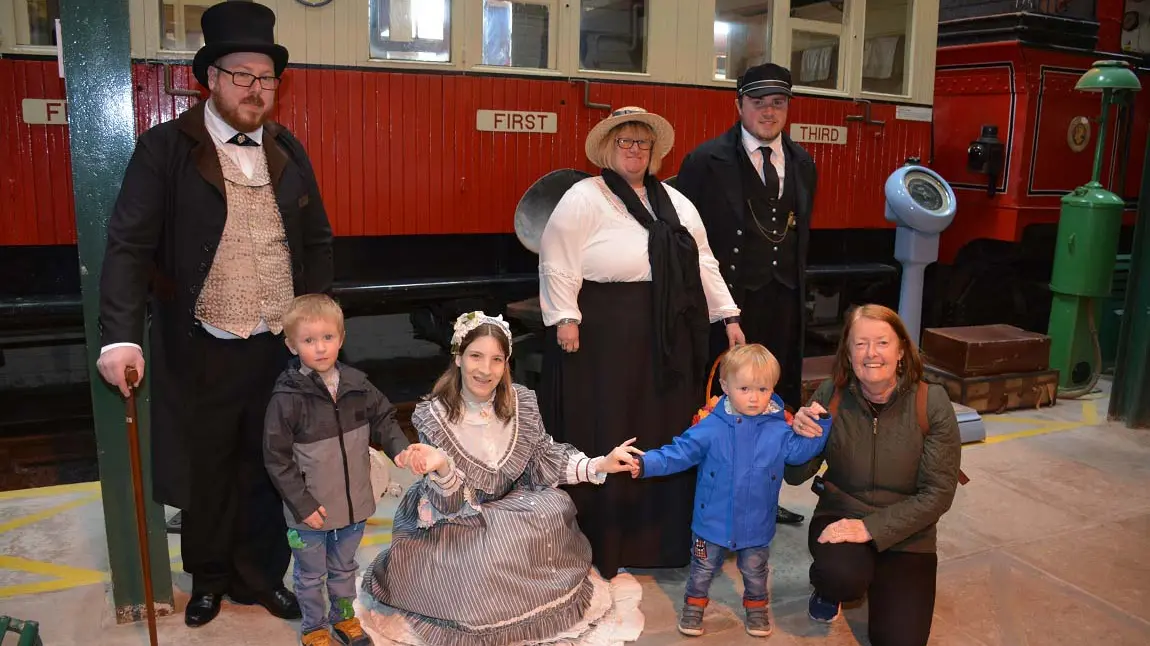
(604, 394)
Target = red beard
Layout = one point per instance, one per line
(243, 121)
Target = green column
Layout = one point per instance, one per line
(1130, 397)
(102, 133)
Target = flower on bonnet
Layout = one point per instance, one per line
(468, 321)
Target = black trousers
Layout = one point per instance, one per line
(234, 534)
(770, 316)
(899, 586)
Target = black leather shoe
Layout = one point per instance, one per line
(788, 517)
(202, 608)
(281, 602)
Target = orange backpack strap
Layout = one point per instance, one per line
(924, 420)
(836, 397)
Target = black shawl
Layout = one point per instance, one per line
(680, 306)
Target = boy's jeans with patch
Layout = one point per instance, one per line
(707, 561)
(325, 553)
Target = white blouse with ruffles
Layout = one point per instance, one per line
(591, 236)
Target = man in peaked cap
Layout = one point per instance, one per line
(218, 225)
(754, 188)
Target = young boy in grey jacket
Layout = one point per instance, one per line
(321, 418)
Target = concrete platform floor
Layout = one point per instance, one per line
(1049, 544)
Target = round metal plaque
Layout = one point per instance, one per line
(1078, 135)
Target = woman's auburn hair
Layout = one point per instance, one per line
(910, 370)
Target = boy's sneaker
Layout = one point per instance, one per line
(758, 623)
(691, 621)
(820, 609)
(321, 637)
(350, 633)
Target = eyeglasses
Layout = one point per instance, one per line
(626, 144)
(243, 79)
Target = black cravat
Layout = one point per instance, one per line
(243, 140)
(770, 175)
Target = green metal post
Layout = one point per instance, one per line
(1130, 396)
(102, 132)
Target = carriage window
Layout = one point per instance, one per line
(41, 21)
(742, 37)
(411, 30)
(180, 25)
(886, 49)
(816, 33)
(613, 35)
(516, 33)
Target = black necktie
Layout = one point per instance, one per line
(770, 175)
(243, 140)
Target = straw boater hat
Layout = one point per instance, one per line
(664, 133)
(236, 26)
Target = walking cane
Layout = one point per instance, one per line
(141, 511)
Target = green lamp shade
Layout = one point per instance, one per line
(1109, 75)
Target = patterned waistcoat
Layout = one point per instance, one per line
(250, 278)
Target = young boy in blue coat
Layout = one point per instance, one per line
(740, 449)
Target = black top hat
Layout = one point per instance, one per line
(762, 80)
(237, 26)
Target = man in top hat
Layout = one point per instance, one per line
(218, 225)
(754, 188)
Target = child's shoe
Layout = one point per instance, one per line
(691, 621)
(758, 623)
(350, 633)
(822, 610)
(320, 637)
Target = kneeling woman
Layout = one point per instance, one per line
(485, 549)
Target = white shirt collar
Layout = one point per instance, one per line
(752, 143)
(221, 131)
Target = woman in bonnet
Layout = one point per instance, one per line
(628, 287)
(485, 550)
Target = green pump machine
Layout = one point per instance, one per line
(1088, 227)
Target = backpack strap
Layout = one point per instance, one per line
(924, 421)
(836, 397)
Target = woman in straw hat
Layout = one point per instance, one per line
(628, 286)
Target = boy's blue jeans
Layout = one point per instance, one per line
(318, 554)
(707, 560)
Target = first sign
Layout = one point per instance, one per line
(508, 121)
(45, 111)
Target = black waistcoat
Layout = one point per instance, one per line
(767, 256)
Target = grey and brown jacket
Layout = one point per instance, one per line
(316, 447)
(884, 470)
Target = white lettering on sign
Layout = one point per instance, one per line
(45, 111)
(513, 121)
(913, 113)
(813, 133)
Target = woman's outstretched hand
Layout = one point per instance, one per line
(804, 423)
(421, 459)
(621, 458)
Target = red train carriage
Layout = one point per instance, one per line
(428, 119)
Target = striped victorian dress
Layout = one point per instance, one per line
(491, 554)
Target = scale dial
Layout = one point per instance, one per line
(926, 192)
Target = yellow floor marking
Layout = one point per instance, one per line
(376, 539)
(991, 417)
(381, 522)
(79, 487)
(64, 576)
(1090, 413)
(46, 513)
(1033, 432)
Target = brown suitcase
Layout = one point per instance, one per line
(986, 350)
(998, 393)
